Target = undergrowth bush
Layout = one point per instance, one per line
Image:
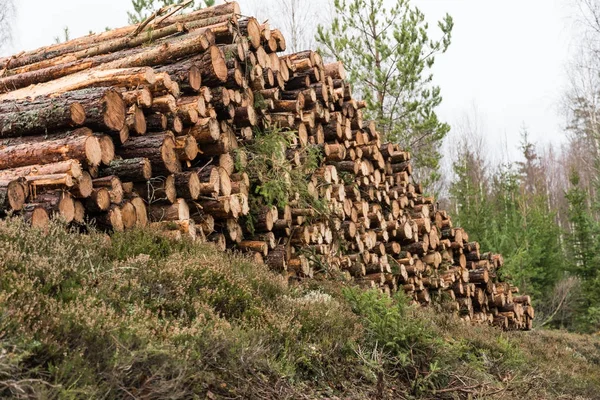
(274, 179)
(140, 316)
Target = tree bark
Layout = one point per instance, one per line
(79, 145)
(70, 167)
(188, 185)
(158, 53)
(159, 148)
(129, 170)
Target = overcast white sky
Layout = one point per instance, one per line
(508, 59)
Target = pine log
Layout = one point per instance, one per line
(120, 137)
(186, 147)
(277, 258)
(156, 122)
(17, 119)
(245, 116)
(128, 214)
(114, 186)
(36, 216)
(254, 246)
(250, 28)
(141, 212)
(164, 104)
(128, 170)
(56, 203)
(70, 167)
(210, 181)
(155, 54)
(479, 276)
(128, 188)
(136, 120)
(212, 66)
(201, 18)
(12, 195)
(110, 220)
(205, 222)
(227, 142)
(104, 108)
(79, 215)
(79, 145)
(83, 186)
(188, 77)
(159, 148)
(141, 97)
(98, 201)
(187, 184)
(122, 77)
(335, 70)
(220, 208)
(188, 117)
(206, 130)
(177, 211)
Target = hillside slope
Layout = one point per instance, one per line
(139, 316)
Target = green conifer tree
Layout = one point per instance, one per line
(584, 248)
(469, 194)
(389, 55)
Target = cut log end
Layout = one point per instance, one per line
(77, 114)
(114, 115)
(108, 149)
(115, 219)
(85, 186)
(38, 218)
(79, 217)
(195, 78)
(66, 208)
(128, 215)
(218, 63)
(141, 212)
(253, 33)
(169, 157)
(101, 199)
(93, 151)
(17, 194)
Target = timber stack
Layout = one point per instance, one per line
(143, 125)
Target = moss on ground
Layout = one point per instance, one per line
(139, 316)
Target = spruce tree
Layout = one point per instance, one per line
(582, 238)
(584, 246)
(469, 194)
(540, 263)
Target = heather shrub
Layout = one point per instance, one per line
(136, 315)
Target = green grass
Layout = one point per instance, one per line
(139, 316)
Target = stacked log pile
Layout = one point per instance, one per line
(129, 131)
